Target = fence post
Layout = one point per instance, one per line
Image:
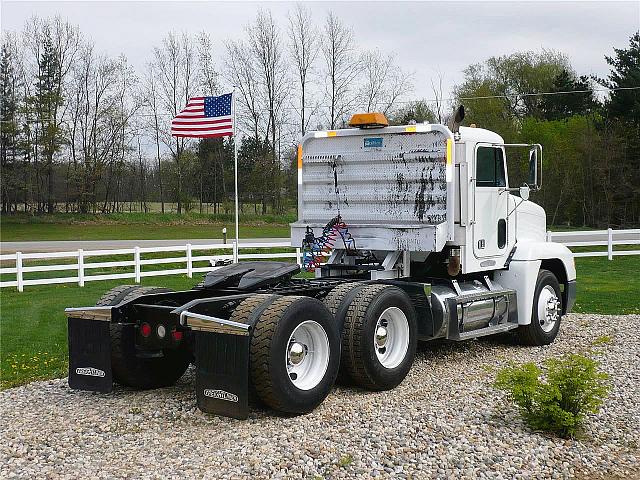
(136, 260)
(298, 261)
(80, 267)
(235, 252)
(189, 262)
(549, 235)
(609, 244)
(19, 279)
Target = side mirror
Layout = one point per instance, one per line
(524, 192)
(533, 166)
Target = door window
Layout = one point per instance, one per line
(490, 167)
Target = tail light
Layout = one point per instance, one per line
(145, 329)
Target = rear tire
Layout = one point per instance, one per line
(294, 354)
(248, 312)
(128, 368)
(338, 301)
(335, 300)
(115, 295)
(546, 314)
(380, 337)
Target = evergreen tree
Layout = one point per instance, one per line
(562, 105)
(623, 112)
(9, 127)
(46, 101)
(625, 73)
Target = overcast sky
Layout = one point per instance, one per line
(428, 37)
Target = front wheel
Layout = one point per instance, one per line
(546, 314)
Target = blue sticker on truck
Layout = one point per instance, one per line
(373, 142)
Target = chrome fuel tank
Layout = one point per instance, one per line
(473, 314)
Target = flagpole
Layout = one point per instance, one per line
(235, 174)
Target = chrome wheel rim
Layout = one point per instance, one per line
(391, 337)
(548, 309)
(307, 355)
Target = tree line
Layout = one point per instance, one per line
(86, 132)
(591, 142)
(82, 131)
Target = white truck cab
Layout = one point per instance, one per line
(499, 231)
(430, 203)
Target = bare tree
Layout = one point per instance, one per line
(340, 68)
(436, 88)
(303, 43)
(151, 96)
(208, 75)
(99, 120)
(127, 105)
(241, 73)
(174, 65)
(142, 178)
(268, 56)
(384, 83)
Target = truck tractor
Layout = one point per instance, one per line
(408, 233)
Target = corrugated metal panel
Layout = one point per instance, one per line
(375, 179)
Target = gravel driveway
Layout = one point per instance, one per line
(444, 421)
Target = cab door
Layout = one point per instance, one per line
(490, 237)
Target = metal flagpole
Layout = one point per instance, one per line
(235, 173)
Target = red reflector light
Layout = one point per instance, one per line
(145, 329)
(177, 336)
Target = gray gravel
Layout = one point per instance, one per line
(444, 421)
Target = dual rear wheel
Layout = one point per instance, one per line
(379, 335)
(298, 343)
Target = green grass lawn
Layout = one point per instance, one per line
(33, 332)
(608, 287)
(139, 226)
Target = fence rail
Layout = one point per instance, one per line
(610, 238)
(187, 255)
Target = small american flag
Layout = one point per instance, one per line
(204, 117)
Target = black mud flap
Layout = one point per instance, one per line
(90, 355)
(222, 373)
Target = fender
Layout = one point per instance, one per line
(522, 273)
(527, 250)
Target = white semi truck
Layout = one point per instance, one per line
(413, 233)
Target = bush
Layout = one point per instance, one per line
(558, 402)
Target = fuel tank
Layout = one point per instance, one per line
(477, 306)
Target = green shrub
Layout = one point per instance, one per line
(558, 401)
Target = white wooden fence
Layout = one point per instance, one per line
(608, 238)
(187, 256)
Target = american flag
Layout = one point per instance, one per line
(204, 117)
